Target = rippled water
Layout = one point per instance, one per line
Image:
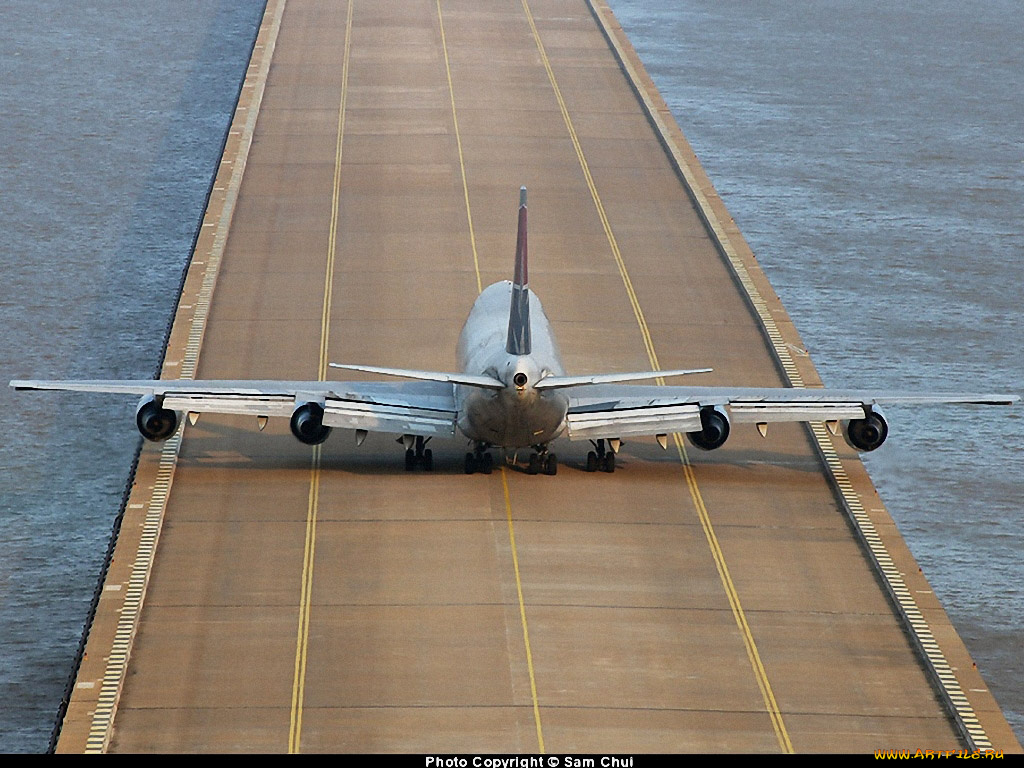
(872, 157)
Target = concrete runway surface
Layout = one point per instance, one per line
(266, 596)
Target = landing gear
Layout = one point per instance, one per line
(479, 460)
(419, 456)
(600, 458)
(542, 461)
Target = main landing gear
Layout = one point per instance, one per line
(418, 456)
(542, 461)
(600, 458)
(479, 460)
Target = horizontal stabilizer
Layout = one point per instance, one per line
(557, 382)
(469, 379)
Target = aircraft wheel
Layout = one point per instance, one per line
(609, 462)
(534, 466)
(410, 460)
(591, 462)
(470, 464)
(551, 465)
(486, 463)
(428, 460)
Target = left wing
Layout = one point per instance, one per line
(610, 412)
(424, 408)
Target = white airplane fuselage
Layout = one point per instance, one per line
(518, 415)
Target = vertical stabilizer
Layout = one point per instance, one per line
(519, 315)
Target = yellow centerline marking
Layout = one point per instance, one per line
(522, 610)
(734, 601)
(504, 476)
(302, 640)
(306, 593)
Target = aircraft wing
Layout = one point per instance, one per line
(424, 408)
(603, 411)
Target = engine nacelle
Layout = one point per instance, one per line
(308, 424)
(714, 422)
(155, 422)
(868, 433)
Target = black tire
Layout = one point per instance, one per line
(410, 460)
(609, 462)
(534, 466)
(591, 462)
(486, 463)
(470, 464)
(428, 460)
(551, 465)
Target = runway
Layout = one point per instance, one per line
(271, 597)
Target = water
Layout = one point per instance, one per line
(112, 123)
(870, 155)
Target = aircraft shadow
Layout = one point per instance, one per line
(221, 446)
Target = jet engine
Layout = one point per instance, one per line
(155, 422)
(308, 424)
(714, 422)
(868, 433)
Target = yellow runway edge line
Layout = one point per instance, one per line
(306, 593)
(734, 601)
(458, 143)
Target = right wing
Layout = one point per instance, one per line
(424, 408)
(604, 411)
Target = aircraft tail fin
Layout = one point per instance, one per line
(518, 342)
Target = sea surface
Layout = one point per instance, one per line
(871, 153)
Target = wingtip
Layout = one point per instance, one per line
(522, 197)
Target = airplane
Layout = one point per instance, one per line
(512, 392)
